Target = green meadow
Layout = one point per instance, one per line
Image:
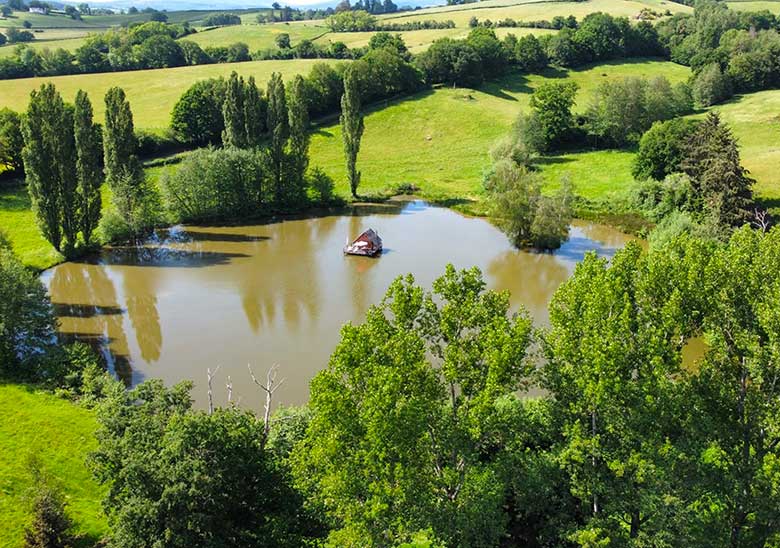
(420, 140)
(769, 5)
(258, 36)
(152, 93)
(57, 435)
(530, 10)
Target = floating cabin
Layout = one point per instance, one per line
(368, 244)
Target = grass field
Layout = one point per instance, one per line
(531, 10)
(439, 140)
(152, 93)
(59, 435)
(258, 36)
(769, 5)
(41, 43)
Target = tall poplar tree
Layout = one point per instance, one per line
(233, 113)
(87, 141)
(48, 157)
(298, 114)
(254, 113)
(351, 127)
(123, 170)
(279, 129)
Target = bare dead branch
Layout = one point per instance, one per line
(210, 376)
(269, 388)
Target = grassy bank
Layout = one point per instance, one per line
(59, 435)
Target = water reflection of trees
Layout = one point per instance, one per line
(531, 278)
(85, 299)
(282, 277)
(141, 299)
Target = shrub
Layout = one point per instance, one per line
(659, 199)
(321, 184)
(51, 526)
(216, 184)
(151, 144)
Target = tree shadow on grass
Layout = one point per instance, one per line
(551, 160)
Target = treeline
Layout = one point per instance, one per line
(287, 13)
(598, 37)
(557, 23)
(362, 21)
(728, 51)
(143, 46)
(383, 72)
(221, 20)
(415, 435)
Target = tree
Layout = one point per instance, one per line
(711, 86)
(405, 434)
(122, 168)
(279, 130)
(233, 113)
(211, 184)
(661, 149)
(11, 140)
(255, 113)
(197, 116)
(721, 184)
(351, 127)
(49, 164)
(282, 40)
(190, 477)
(530, 54)
(552, 104)
(88, 169)
(298, 114)
(26, 321)
(734, 401)
(522, 212)
(51, 526)
(613, 359)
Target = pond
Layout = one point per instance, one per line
(199, 297)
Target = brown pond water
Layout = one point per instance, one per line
(199, 297)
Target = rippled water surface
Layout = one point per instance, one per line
(201, 297)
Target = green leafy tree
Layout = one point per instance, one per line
(88, 169)
(734, 401)
(123, 170)
(282, 40)
(197, 116)
(552, 104)
(403, 435)
(530, 54)
(711, 86)
(51, 526)
(351, 127)
(190, 477)
(613, 357)
(299, 137)
(279, 130)
(26, 322)
(661, 149)
(11, 140)
(49, 163)
(255, 113)
(233, 113)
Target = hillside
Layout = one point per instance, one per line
(35, 425)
